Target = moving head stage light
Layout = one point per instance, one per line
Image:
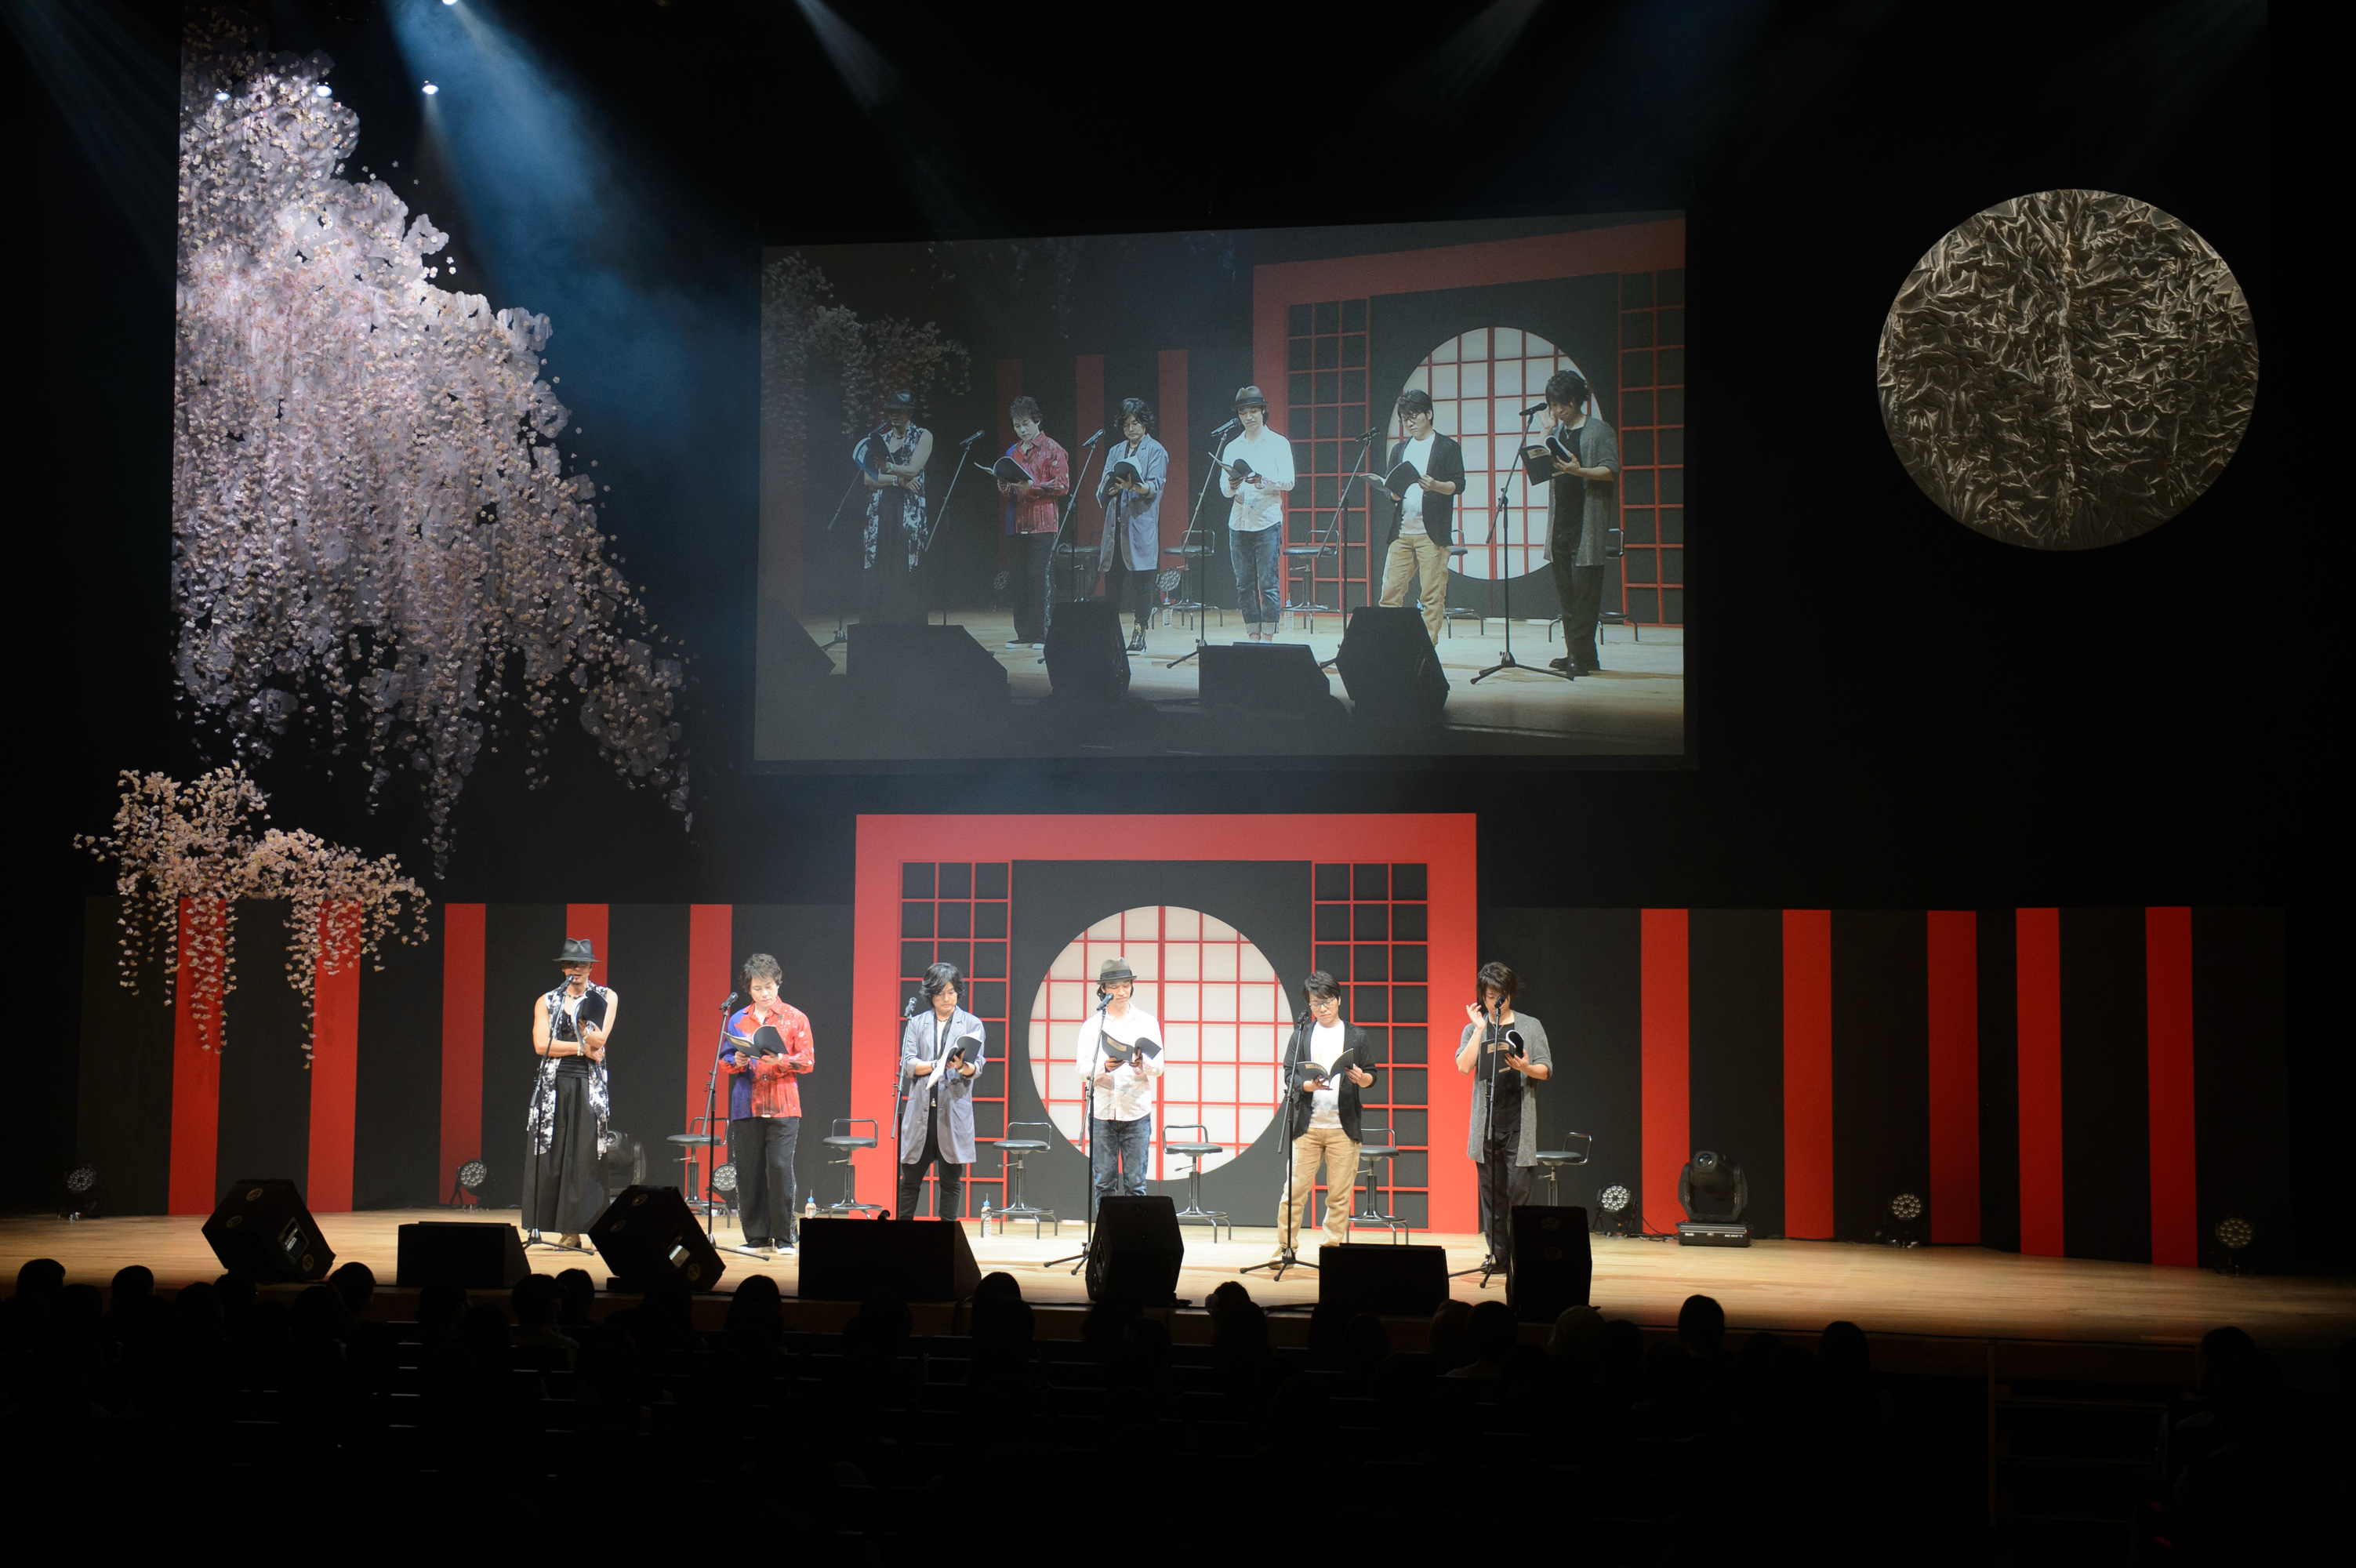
(1713, 1194)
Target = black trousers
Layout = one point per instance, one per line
(912, 1180)
(561, 1189)
(1505, 1185)
(1132, 586)
(1582, 605)
(1032, 554)
(761, 1150)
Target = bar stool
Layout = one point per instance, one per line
(1552, 1160)
(1449, 617)
(848, 1145)
(1195, 1213)
(1189, 557)
(1374, 1215)
(1010, 1154)
(1302, 558)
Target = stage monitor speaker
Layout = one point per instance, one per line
(851, 1259)
(904, 670)
(472, 1254)
(1270, 677)
(1389, 667)
(1136, 1249)
(1085, 657)
(1550, 1267)
(648, 1237)
(260, 1226)
(1389, 1281)
(795, 655)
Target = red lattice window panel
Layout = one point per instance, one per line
(1653, 445)
(1325, 389)
(958, 912)
(1372, 927)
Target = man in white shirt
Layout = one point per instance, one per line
(1120, 1073)
(1322, 1113)
(1423, 528)
(1255, 473)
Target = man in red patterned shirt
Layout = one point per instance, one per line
(766, 1048)
(1033, 514)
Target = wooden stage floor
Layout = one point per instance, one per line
(1962, 1292)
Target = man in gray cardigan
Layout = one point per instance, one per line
(936, 1119)
(1579, 516)
(1508, 1152)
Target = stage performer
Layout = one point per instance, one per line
(1507, 1152)
(1119, 1074)
(565, 1127)
(1130, 551)
(1255, 520)
(1031, 517)
(941, 1051)
(894, 459)
(765, 1106)
(1579, 515)
(1425, 509)
(1322, 1117)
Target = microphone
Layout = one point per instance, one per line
(1231, 425)
(730, 1005)
(1093, 439)
(1533, 408)
(970, 439)
(1372, 431)
(910, 1010)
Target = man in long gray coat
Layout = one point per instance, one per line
(1580, 515)
(941, 1051)
(1130, 551)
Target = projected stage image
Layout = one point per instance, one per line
(1400, 490)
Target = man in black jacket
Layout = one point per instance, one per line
(1322, 1114)
(1424, 513)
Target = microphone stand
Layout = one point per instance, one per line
(1071, 505)
(933, 523)
(900, 1105)
(1088, 1104)
(711, 1105)
(1496, 522)
(1194, 525)
(1333, 535)
(1286, 1256)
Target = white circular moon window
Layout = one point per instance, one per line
(1223, 1017)
(1480, 381)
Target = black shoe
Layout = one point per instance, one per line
(1562, 664)
(1137, 641)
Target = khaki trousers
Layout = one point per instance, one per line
(1340, 1155)
(1413, 556)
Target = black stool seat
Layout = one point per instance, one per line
(844, 1143)
(1561, 1156)
(1551, 1161)
(1023, 1146)
(1308, 550)
(1376, 1151)
(1195, 1148)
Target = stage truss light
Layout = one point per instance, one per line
(2235, 1234)
(81, 1193)
(429, 90)
(324, 91)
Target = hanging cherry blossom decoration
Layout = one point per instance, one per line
(375, 531)
(185, 854)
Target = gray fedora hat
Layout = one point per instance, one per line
(577, 950)
(1114, 969)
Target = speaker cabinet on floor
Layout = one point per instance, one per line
(1270, 678)
(1389, 667)
(1086, 657)
(474, 1254)
(1136, 1251)
(916, 1259)
(649, 1237)
(1550, 1267)
(902, 671)
(261, 1227)
(1389, 1281)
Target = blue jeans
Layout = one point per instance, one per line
(1125, 1142)
(1256, 555)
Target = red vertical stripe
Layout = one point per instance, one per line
(1668, 1125)
(462, 1037)
(1088, 414)
(1954, 1033)
(710, 975)
(1172, 413)
(195, 1076)
(2038, 971)
(2168, 1007)
(335, 1059)
(589, 920)
(1808, 1073)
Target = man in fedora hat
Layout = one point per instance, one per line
(1255, 473)
(1121, 1060)
(893, 460)
(565, 1128)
